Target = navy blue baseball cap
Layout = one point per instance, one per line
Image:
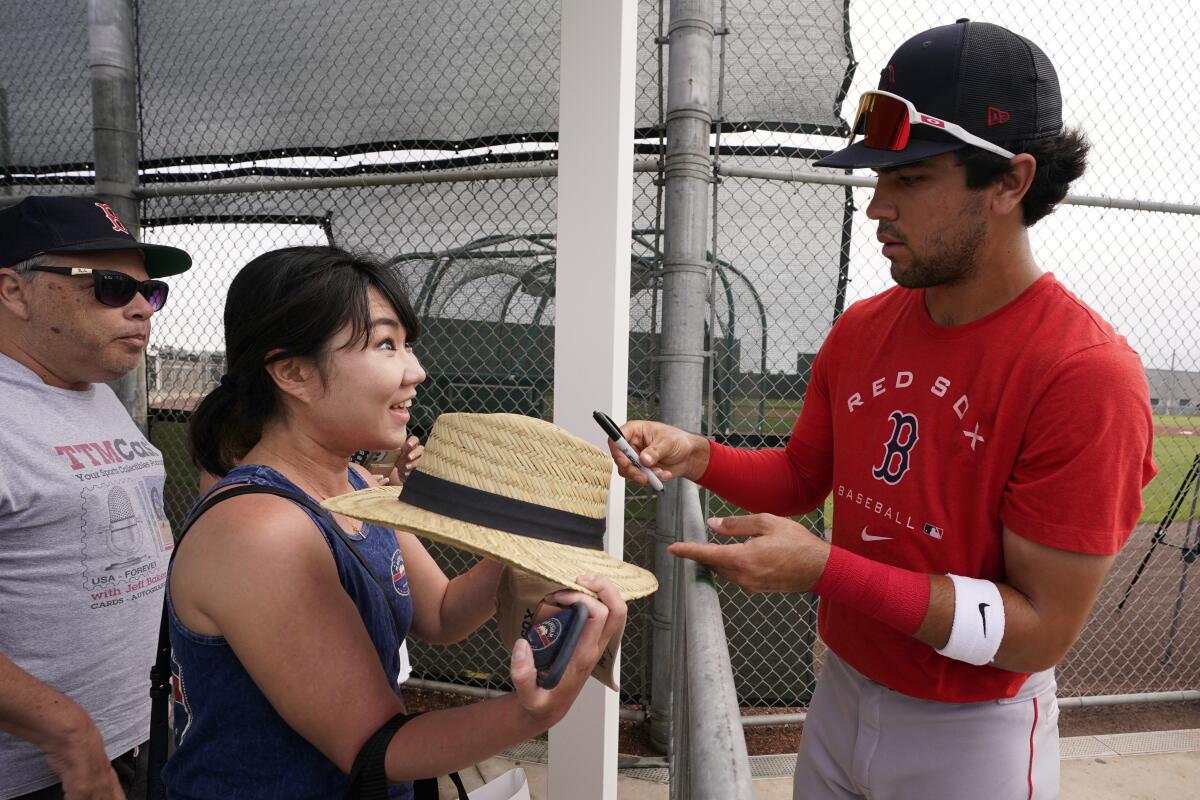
(993, 83)
(44, 224)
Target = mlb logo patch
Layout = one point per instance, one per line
(399, 574)
(545, 634)
(933, 530)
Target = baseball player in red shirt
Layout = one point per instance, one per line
(984, 433)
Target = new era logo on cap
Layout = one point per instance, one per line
(996, 117)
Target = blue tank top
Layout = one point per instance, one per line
(230, 741)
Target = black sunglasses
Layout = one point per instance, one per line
(116, 289)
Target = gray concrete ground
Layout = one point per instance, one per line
(1123, 767)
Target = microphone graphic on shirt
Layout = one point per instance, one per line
(124, 532)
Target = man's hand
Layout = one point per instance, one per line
(83, 767)
(669, 451)
(780, 555)
(60, 728)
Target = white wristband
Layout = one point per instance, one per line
(978, 626)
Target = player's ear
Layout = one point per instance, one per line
(1013, 185)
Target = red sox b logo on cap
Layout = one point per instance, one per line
(118, 226)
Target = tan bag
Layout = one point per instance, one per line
(517, 608)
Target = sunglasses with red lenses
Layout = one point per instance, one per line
(885, 121)
(116, 289)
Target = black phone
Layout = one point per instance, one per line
(553, 641)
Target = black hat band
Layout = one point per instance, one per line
(489, 510)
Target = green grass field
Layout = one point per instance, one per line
(1173, 455)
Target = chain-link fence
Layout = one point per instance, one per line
(425, 133)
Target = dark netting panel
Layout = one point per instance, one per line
(45, 97)
(284, 74)
(278, 76)
(785, 64)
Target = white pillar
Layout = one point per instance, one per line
(591, 336)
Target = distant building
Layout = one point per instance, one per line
(177, 378)
(1174, 392)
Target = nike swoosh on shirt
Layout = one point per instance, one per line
(866, 537)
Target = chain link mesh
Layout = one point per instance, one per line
(422, 89)
(45, 150)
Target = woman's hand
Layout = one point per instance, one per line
(606, 615)
(410, 454)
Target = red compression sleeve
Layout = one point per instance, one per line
(771, 481)
(893, 595)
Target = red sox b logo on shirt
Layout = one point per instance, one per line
(897, 449)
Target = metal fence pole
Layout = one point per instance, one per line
(112, 66)
(687, 173)
(718, 765)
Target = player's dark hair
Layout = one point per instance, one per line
(1060, 160)
(284, 304)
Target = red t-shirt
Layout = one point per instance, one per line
(933, 439)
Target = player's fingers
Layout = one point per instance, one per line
(618, 457)
(744, 525)
(713, 556)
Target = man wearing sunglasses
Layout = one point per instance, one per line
(984, 434)
(82, 562)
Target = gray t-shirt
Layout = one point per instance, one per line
(84, 545)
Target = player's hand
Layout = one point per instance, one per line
(83, 767)
(410, 453)
(780, 556)
(606, 615)
(669, 451)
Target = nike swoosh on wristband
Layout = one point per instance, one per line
(866, 537)
(983, 614)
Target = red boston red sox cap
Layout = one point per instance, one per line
(43, 224)
(997, 85)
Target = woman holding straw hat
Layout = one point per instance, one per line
(285, 621)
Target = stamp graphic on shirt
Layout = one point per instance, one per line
(117, 546)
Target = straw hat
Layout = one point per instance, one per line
(515, 489)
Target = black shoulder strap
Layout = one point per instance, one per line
(160, 673)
